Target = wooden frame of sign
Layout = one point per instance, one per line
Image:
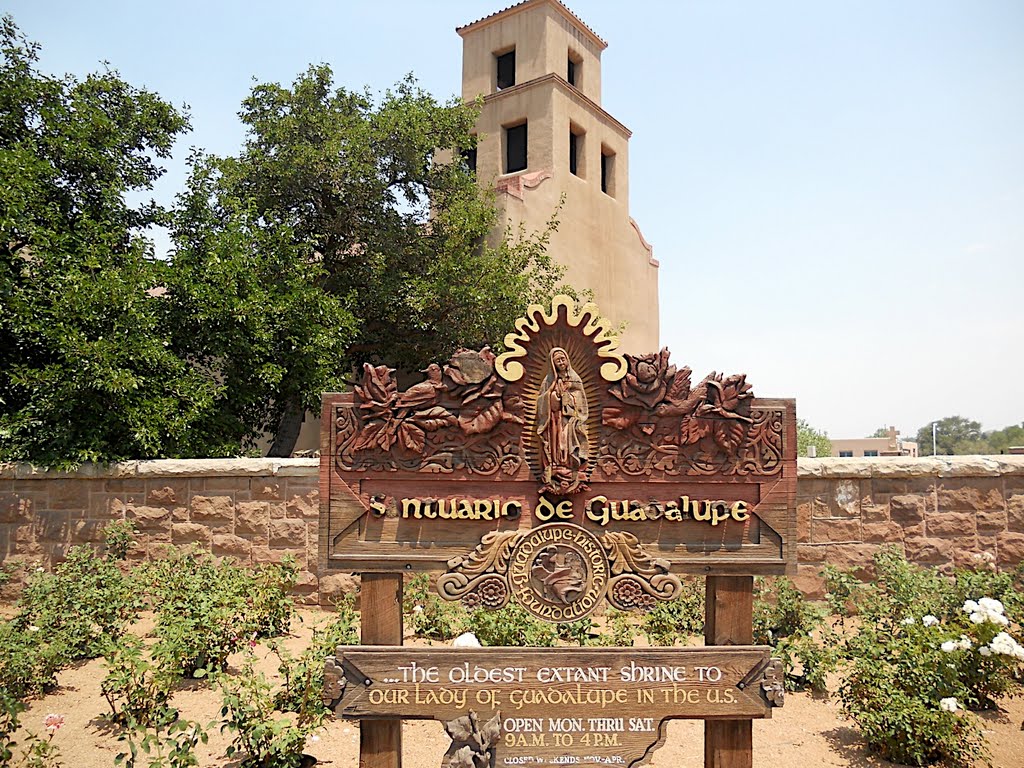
(561, 475)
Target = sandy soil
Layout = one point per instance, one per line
(807, 731)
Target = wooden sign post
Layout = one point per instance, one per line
(562, 475)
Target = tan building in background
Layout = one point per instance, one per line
(890, 445)
(543, 134)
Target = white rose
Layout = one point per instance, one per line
(971, 607)
(949, 646)
(978, 617)
(991, 605)
(908, 620)
(948, 705)
(985, 650)
(929, 620)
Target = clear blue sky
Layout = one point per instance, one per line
(835, 190)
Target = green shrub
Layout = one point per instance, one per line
(676, 619)
(263, 736)
(84, 603)
(510, 625)
(620, 630)
(163, 745)
(200, 609)
(430, 616)
(303, 675)
(902, 694)
(269, 605)
(29, 661)
(925, 647)
(575, 631)
(138, 692)
(791, 625)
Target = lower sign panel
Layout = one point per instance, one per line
(536, 707)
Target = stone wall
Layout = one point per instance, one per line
(942, 512)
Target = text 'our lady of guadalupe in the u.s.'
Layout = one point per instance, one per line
(562, 413)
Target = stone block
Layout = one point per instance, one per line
(307, 506)
(907, 510)
(951, 525)
(265, 554)
(150, 519)
(336, 585)
(972, 494)
(810, 553)
(882, 533)
(871, 513)
(1015, 512)
(69, 494)
(122, 486)
(231, 483)
(87, 531)
(52, 527)
(288, 533)
(991, 520)
(829, 529)
(1010, 552)
(922, 486)
(167, 492)
(264, 489)
(252, 517)
(924, 551)
(18, 509)
(190, 533)
(278, 510)
(888, 486)
(808, 579)
(845, 499)
(227, 544)
(854, 556)
(212, 510)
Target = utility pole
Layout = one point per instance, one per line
(934, 427)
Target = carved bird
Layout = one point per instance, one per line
(426, 392)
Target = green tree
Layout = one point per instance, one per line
(86, 371)
(1000, 440)
(806, 436)
(382, 249)
(953, 435)
(880, 432)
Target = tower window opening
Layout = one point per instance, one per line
(577, 162)
(506, 63)
(573, 66)
(607, 171)
(515, 148)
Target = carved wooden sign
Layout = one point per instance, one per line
(529, 706)
(559, 473)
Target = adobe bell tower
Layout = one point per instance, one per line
(543, 134)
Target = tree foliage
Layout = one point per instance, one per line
(86, 371)
(956, 435)
(337, 236)
(806, 436)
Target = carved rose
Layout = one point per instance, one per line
(493, 593)
(646, 381)
(628, 594)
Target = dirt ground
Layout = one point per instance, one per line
(807, 731)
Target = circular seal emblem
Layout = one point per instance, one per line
(559, 572)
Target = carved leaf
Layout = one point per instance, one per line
(411, 437)
(461, 758)
(490, 733)
(460, 729)
(370, 436)
(729, 435)
(434, 419)
(482, 421)
(692, 430)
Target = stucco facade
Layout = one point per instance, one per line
(597, 241)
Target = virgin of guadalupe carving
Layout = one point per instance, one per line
(562, 413)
